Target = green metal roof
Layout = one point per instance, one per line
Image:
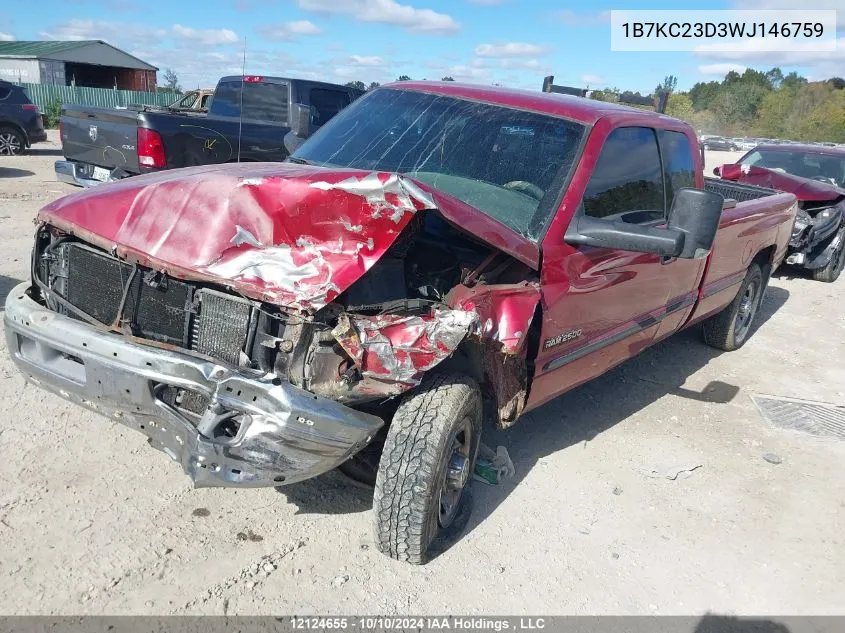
(96, 52)
(40, 49)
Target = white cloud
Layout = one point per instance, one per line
(592, 79)
(469, 74)
(820, 63)
(583, 18)
(720, 70)
(365, 60)
(205, 36)
(7, 37)
(509, 49)
(289, 30)
(487, 3)
(386, 12)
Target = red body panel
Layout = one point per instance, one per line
(299, 235)
(805, 189)
(291, 234)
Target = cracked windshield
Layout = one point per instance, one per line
(507, 163)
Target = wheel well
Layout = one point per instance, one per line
(765, 257)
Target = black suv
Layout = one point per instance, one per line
(20, 121)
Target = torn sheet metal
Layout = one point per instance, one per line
(505, 311)
(270, 231)
(400, 349)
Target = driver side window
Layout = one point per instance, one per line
(627, 181)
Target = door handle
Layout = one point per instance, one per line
(667, 259)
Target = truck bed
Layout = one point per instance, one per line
(734, 192)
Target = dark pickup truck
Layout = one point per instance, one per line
(437, 253)
(251, 118)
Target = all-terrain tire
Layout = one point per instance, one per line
(831, 272)
(411, 478)
(729, 329)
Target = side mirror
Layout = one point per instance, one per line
(588, 231)
(729, 171)
(695, 213)
(300, 120)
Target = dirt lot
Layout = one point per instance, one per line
(94, 521)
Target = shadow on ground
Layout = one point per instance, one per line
(729, 624)
(587, 411)
(44, 151)
(576, 417)
(6, 285)
(14, 172)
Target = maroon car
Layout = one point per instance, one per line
(434, 254)
(816, 175)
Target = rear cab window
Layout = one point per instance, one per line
(326, 103)
(257, 101)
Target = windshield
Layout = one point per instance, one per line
(507, 163)
(817, 166)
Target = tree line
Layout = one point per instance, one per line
(765, 104)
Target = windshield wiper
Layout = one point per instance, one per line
(299, 161)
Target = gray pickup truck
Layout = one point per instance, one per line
(250, 118)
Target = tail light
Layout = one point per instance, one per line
(31, 107)
(150, 148)
(253, 79)
(61, 131)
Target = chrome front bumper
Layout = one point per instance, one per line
(286, 434)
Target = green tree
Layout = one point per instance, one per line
(670, 82)
(793, 80)
(403, 78)
(373, 85)
(704, 94)
(775, 77)
(358, 85)
(447, 78)
(171, 81)
(679, 105)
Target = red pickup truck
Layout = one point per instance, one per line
(435, 254)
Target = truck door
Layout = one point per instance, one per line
(602, 306)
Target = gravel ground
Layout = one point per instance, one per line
(94, 521)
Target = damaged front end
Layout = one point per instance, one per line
(816, 234)
(263, 354)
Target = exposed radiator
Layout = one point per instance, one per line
(222, 325)
(167, 310)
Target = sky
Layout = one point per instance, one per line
(509, 42)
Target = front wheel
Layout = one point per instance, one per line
(831, 272)
(426, 465)
(728, 330)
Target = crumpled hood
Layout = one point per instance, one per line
(294, 235)
(805, 189)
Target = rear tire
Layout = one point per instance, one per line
(427, 463)
(728, 330)
(831, 272)
(12, 142)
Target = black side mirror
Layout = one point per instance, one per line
(588, 231)
(696, 214)
(300, 120)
